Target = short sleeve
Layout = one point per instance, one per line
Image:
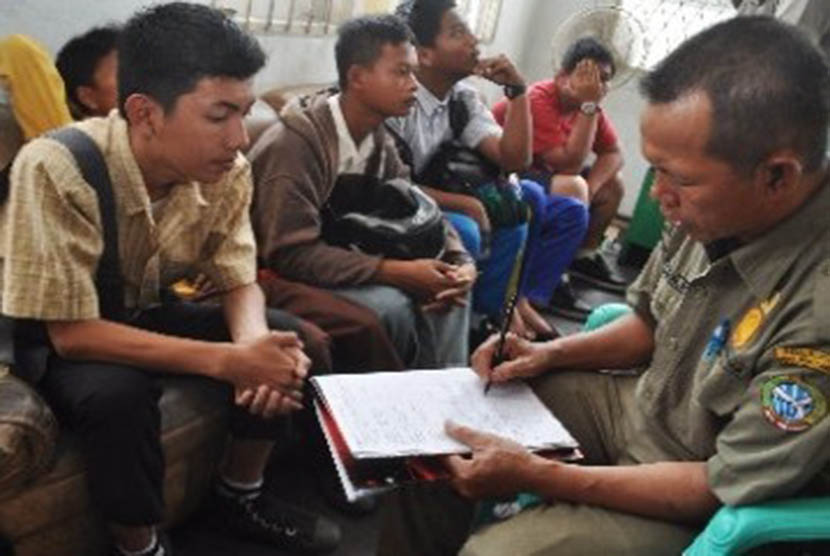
(606, 137)
(51, 237)
(778, 440)
(481, 125)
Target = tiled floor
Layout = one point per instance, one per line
(293, 479)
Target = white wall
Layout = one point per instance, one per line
(524, 33)
(291, 60)
(53, 22)
(295, 60)
(623, 105)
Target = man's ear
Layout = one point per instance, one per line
(780, 173)
(143, 113)
(356, 77)
(86, 96)
(426, 56)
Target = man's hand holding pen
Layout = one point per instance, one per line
(520, 358)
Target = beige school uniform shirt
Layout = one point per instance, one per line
(52, 237)
(740, 375)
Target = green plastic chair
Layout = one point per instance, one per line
(736, 530)
(645, 228)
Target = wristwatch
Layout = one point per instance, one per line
(589, 108)
(513, 91)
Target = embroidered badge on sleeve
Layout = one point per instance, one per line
(792, 404)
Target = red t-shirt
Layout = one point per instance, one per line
(551, 128)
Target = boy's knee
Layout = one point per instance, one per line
(573, 186)
(468, 232)
(534, 195)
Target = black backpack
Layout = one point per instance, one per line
(458, 169)
(391, 218)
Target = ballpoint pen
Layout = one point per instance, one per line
(507, 318)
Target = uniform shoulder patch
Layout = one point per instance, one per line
(807, 358)
(792, 404)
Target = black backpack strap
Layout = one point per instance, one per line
(109, 281)
(4, 182)
(373, 164)
(404, 150)
(459, 116)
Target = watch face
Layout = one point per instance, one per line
(588, 108)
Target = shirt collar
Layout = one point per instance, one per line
(428, 102)
(349, 154)
(762, 262)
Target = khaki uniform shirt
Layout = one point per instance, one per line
(740, 373)
(52, 237)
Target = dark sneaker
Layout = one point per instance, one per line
(565, 303)
(268, 520)
(163, 547)
(595, 270)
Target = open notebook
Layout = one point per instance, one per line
(384, 429)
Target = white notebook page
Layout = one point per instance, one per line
(403, 413)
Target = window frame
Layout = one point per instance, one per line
(323, 16)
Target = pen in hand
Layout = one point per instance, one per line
(498, 355)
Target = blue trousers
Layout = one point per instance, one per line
(557, 228)
(494, 270)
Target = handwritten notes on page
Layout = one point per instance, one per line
(403, 413)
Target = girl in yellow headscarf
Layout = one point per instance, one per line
(37, 93)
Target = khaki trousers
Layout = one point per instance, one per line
(433, 520)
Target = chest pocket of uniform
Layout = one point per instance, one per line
(724, 384)
(667, 296)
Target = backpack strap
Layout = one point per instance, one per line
(109, 281)
(4, 182)
(404, 150)
(459, 116)
(373, 164)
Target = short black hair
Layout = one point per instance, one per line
(424, 18)
(767, 84)
(587, 48)
(165, 50)
(78, 59)
(360, 41)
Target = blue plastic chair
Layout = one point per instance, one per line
(736, 530)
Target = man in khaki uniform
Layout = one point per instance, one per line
(731, 324)
(182, 194)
